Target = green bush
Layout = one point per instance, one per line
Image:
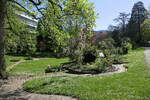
(126, 45)
(107, 46)
(24, 43)
(85, 55)
(98, 66)
(27, 43)
(103, 64)
(50, 69)
(117, 59)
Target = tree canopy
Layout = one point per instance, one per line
(57, 26)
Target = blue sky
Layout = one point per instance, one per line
(109, 10)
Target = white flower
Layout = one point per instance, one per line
(101, 54)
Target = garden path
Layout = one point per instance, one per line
(147, 55)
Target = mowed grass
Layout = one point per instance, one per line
(10, 58)
(38, 66)
(131, 85)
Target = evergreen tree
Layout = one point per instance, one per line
(138, 15)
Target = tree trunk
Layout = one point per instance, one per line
(2, 38)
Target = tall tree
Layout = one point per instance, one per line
(139, 14)
(35, 5)
(122, 20)
(2, 37)
(3, 7)
(66, 22)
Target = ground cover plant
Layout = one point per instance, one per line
(130, 85)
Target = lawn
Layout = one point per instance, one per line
(10, 58)
(38, 66)
(131, 85)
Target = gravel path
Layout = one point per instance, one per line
(12, 89)
(147, 55)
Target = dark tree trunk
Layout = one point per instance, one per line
(2, 38)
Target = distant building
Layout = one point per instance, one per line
(29, 20)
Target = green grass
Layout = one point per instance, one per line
(9, 59)
(37, 66)
(131, 85)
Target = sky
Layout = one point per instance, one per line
(109, 10)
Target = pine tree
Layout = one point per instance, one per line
(138, 15)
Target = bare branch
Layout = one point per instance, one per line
(35, 3)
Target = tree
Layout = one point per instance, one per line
(41, 6)
(122, 20)
(50, 29)
(3, 7)
(19, 38)
(79, 26)
(139, 14)
(145, 28)
(2, 37)
(68, 24)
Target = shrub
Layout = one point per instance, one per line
(100, 65)
(126, 45)
(89, 54)
(29, 58)
(117, 59)
(50, 69)
(107, 46)
(85, 55)
(24, 43)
